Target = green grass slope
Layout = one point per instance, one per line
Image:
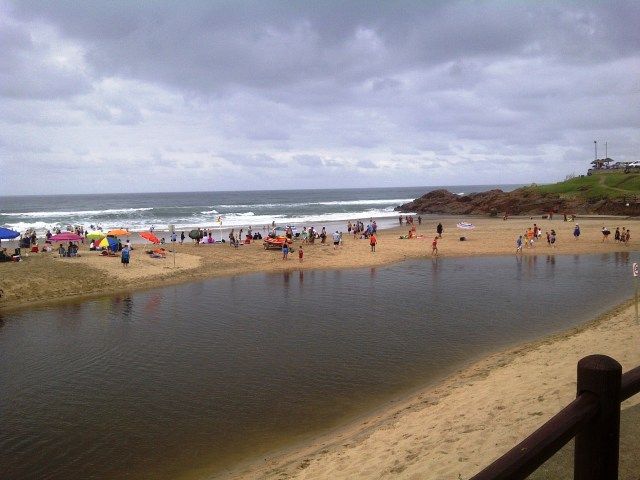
(596, 187)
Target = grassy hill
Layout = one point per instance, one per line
(596, 187)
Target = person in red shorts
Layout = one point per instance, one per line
(434, 246)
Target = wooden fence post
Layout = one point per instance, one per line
(597, 445)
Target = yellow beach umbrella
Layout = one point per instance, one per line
(96, 234)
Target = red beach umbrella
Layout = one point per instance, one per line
(66, 237)
(150, 236)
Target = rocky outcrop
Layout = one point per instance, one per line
(523, 201)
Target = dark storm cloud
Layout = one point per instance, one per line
(208, 46)
(317, 90)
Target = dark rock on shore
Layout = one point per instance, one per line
(523, 201)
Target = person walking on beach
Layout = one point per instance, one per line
(627, 237)
(616, 236)
(605, 233)
(285, 251)
(519, 245)
(372, 241)
(434, 247)
(124, 256)
(181, 238)
(576, 231)
(439, 230)
(530, 236)
(552, 238)
(300, 254)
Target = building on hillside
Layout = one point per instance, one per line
(601, 163)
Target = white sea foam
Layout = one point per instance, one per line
(203, 219)
(396, 201)
(77, 213)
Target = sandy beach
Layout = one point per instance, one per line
(44, 278)
(447, 430)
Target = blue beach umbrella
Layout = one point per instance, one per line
(6, 234)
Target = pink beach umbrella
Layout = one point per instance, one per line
(66, 237)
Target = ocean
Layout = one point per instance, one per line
(185, 210)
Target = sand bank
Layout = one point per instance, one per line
(455, 428)
(45, 278)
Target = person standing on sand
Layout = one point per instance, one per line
(439, 230)
(616, 236)
(300, 254)
(285, 251)
(519, 245)
(552, 238)
(372, 241)
(627, 237)
(181, 238)
(434, 246)
(576, 232)
(336, 240)
(419, 220)
(124, 256)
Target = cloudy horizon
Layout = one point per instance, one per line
(154, 96)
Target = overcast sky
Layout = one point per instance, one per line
(170, 96)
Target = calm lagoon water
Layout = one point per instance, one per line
(185, 381)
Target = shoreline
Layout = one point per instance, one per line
(326, 451)
(53, 280)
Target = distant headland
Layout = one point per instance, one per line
(602, 192)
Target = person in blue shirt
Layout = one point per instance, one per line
(124, 256)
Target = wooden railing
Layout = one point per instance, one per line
(593, 418)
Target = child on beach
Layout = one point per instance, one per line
(285, 251)
(519, 244)
(552, 238)
(372, 241)
(434, 246)
(300, 254)
(576, 232)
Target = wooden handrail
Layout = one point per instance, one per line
(593, 418)
(537, 448)
(630, 384)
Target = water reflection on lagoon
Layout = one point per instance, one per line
(200, 376)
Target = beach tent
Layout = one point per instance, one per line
(196, 234)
